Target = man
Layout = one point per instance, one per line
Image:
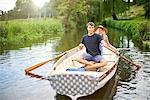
(92, 57)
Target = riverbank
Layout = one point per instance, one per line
(21, 32)
(137, 28)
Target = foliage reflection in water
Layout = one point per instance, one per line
(15, 85)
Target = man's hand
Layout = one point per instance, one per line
(81, 46)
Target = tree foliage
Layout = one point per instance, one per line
(78, 11)
(25, 8)
(81, 11)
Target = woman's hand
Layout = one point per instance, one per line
(117, 52)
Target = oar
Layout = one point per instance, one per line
(28, 70)
(126, 59)
(126, 49)
(42, 63)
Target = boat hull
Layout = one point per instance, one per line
(75, 83)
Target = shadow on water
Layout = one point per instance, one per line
(105, 93)
(125, 71)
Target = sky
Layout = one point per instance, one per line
(6, 5)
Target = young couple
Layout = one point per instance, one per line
(93, 42)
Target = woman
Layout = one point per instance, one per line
(103, 32)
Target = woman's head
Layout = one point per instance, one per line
(101, 30)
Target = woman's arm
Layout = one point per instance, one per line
(108, 44)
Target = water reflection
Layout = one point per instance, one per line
(5, 47)
(15, 85)
(69, 40)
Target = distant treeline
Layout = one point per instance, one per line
(78, 11)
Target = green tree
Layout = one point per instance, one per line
(72, 10)
(147, 9)
(146, 4)
(26, 8)
(52, 7)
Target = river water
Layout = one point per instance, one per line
(125, 85)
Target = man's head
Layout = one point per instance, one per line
(90, 27)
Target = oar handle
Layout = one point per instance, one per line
(28, 70)
(42, 63)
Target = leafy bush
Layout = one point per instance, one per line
(132, 27)
(18, 31)
(138, 29)
(3, 31)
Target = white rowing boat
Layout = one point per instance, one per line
(81, 83)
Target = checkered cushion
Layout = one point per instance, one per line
(73, 84)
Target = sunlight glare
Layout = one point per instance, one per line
(40, 3)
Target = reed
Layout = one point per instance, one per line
(21, 31)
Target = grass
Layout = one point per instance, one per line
(21, 31)
(134, 11)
